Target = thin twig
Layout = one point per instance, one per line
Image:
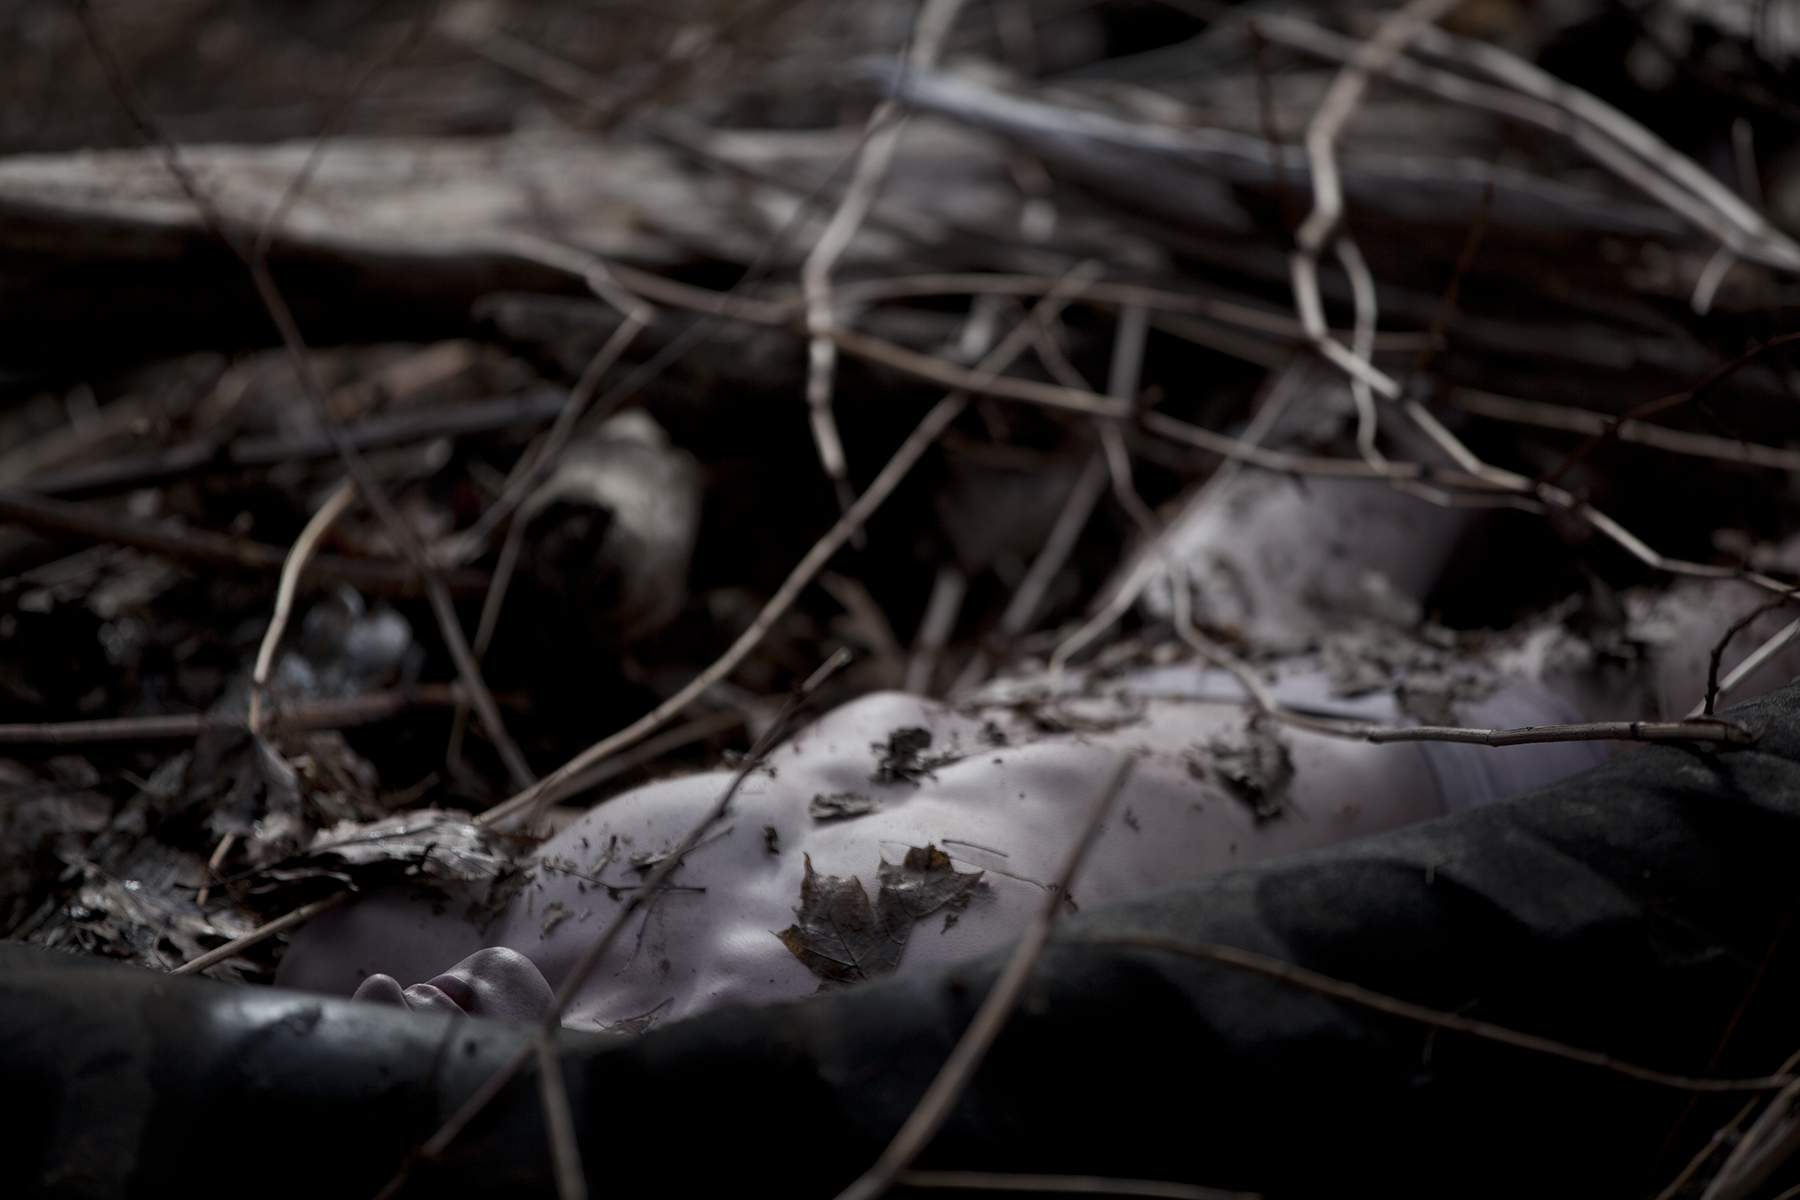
(1625, 429)
(1764, 652)
(935, 627)
(1719, 1137)
(1640, 158)
(881, 137)
(1664, 404)
(304, 547)
(1777, 642)
(213, 864)
(909, 453)
(1765, 1146)
(1484, 477)
(1122, 385)
(559, 1121)
(1362, 344)
(1748, 232)
(1446, 305)
(1727, 732)
(1244, 316)
(537, 462)
(314, 714)
(261, 933)
(543, 457)
(1083, 1185)
(202, 545)
(698, 729)
(1325, 985)
(935, 1106)
(335, 123)
(1302, 464)
(1153, 559)
(1334, 112)
(942, 371)
(1708, 730)
(1022, 608)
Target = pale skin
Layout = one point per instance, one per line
(1006, 807)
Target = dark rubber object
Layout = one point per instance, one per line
(1635, 909)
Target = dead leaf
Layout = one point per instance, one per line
(441, 843)
(1256, 770)
(839, 805)
(904, 757)
(926, 881)
(843, 939)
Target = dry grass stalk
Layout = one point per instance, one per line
(335, 506)
(881, 137)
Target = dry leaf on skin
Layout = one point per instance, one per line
(903, 758)
(840, 805)
(844, 939)
(1256, 770)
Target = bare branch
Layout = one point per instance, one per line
(1022, 607)
(1634, 154)
(1751, 234)
(1362, 287)
(1777, 642)
(261, 933)
(1757, 657)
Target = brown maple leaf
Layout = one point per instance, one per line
(842, 938)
